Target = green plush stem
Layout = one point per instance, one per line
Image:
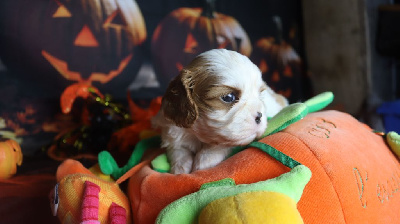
(109, 166)
(286, 117)
(107, 163)
(319, 101)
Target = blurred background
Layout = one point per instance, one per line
(130, 50)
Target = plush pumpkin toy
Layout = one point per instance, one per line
(10, 157)
(270, 201)
(355, 174)
(72, 198)
(186, 32)
(64, 42)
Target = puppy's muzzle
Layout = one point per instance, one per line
(258, 118)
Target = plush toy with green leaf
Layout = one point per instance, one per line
(270, 201)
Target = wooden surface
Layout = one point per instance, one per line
(338, 51)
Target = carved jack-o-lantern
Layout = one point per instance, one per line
(280, 65)
(91, 41)
(187, 32)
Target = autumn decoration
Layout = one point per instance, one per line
(279, 63)
(66, 42)
(186, 32)
(99, 116)
(10, 157)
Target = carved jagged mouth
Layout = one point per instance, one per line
(62, 67)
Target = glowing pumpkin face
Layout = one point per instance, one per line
(92, 41)
(187, 32)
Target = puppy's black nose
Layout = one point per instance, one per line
(258, 117)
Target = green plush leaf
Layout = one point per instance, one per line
(286, 117)
(319, 101)
(107, 163)
(186, 210)
(161, 164)
(393, 140)
(109, 166)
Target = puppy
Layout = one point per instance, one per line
(217, 102)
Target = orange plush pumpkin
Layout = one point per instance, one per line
(74, 41)
(355, 176)
(187, 32)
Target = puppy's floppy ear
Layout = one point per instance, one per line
(177, 103)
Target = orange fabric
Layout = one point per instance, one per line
(70, 166)
(356, 178)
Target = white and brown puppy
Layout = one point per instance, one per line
(217, 102)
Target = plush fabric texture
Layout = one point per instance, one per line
(117, 214)
(252, 208)
(188, 208)
(90, 203)
(356, 177)
(72, 177)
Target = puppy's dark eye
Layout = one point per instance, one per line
(229, 98)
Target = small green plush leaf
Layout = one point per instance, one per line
(286, 117)
(161, 164)
(186, 210)
(107, 163)
(319, 101)
(109, 166)
(393, 140)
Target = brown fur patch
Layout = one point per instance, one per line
(177, 104)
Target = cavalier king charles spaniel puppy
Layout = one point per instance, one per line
(217, 102)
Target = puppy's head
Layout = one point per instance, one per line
(218, 97)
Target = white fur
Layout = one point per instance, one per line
(209, 139)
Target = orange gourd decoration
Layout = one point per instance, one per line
(76, 41)
(187, 32)
(10, 157)
(280, 64)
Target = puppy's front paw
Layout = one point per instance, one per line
(209, 158)
(182, 166)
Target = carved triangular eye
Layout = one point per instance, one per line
(62, 12)
(115, 19)
(190, 44)
(85, 38)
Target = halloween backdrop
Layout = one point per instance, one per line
(127, 47)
